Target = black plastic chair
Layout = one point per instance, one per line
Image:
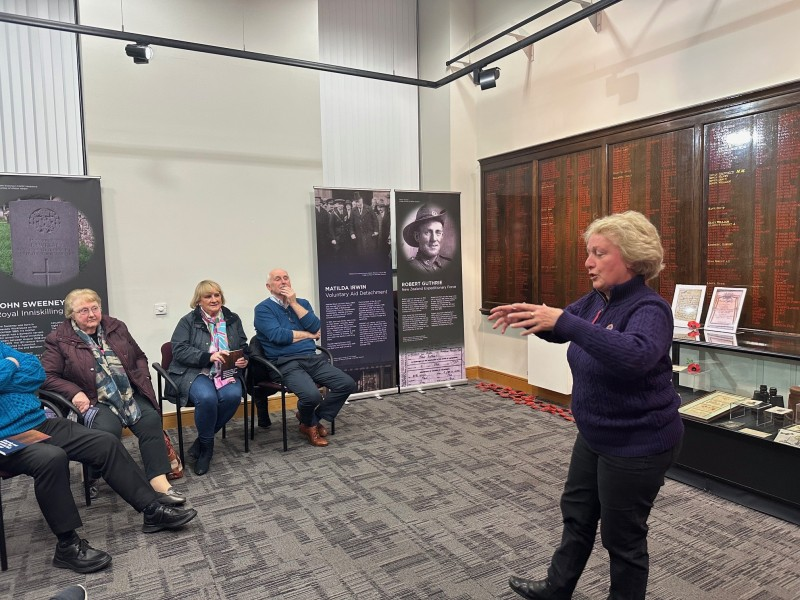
(263, 376)
(167, 390)
(61, 407)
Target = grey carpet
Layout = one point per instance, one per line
(435, 495)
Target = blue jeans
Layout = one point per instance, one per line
(213, 407)
(302, 376)
(619, 492)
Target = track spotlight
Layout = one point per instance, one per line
(486, 78)
(140, 53)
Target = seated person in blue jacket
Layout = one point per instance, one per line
(287, 329)
(48, 463)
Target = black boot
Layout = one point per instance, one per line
(205, 452)
(263, 412)
(194, 449)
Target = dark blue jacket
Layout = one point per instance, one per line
(190, 343)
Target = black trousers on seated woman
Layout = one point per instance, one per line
(148, 430)
(619, 492)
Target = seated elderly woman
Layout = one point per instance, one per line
(92, 360)
(202, 341)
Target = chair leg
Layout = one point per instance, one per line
(3, 555)
(180, 434)
(252, 417)
(86, 485)
(283, 410)
(246, 439)
(224, 427)
(333, 426)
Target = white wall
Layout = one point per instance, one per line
(369, 127)
(649, 58)
(206, 162)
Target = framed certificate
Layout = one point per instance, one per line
(725, 309)
(687, 303)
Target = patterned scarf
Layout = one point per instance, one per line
(219, 341)
(113, 386)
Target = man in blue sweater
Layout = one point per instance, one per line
(287, 329)
(48, 463)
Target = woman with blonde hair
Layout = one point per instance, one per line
(201, 342)
(623, 400)
(92, 360)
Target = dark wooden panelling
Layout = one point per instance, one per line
(721, 181)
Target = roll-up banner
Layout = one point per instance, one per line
(51, 242)
(353, 235)
(429, 289)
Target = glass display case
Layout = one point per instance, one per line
(742, 453)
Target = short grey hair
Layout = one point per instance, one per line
(79, 294)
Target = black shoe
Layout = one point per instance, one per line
(204, 458)
(73, 592)
(80, 557)
(533, 590)
(172, 497)
(167, 517)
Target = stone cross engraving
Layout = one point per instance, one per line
(44, 241)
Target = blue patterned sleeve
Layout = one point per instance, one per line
(25, 378)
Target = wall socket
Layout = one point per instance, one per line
(160, 308)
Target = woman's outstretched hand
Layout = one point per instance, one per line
(533, 318)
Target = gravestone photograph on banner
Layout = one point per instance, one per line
(51, 242)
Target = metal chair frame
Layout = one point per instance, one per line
(273, 385)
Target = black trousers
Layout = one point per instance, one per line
(619, 493)
(48, 463)
(148, 430)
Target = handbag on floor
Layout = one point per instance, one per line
(174, 461)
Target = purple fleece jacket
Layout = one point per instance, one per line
(623, 399)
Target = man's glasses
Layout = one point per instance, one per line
(89, 309)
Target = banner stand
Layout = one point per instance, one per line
(51, 242)
(431, 386)
(429, 290)
(356, 300)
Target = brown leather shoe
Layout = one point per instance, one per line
(321, 429)
(312, 433)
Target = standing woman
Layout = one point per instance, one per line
(92, 360)
(623, 400)
(202, 340)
